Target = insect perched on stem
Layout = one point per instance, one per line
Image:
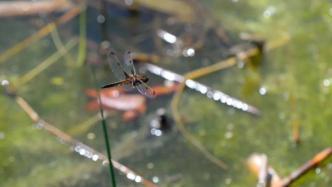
(126, 74)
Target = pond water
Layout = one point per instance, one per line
(291, 86)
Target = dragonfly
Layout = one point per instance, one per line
(127, 74)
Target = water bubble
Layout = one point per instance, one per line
(101, 19)
(131, 176)
(245, 107)
(150, 165)
(2, 135)
(105, 45)
(318, 171)
(154, 124)
(326, 82)
(228, 135)
(262, 90)
(156, 132)
(229, 101)
(190, 83)
(269, 11)
(91, 135)
(166, 36)
(169, 76)
(190, 52)
(95, 157)
(202, 89)
(228, 181)
(216, 96)
(155, 179)
(82, 152)
(210, 94)
(4, 82)
(138, 179)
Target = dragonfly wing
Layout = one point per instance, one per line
(116, 66)
(144, 89)
(129, 63)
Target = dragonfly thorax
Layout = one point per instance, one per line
(142, 78)
(138, 79)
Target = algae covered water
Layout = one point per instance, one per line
(290, 86)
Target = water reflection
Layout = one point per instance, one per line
(216, 95)
(166, 36)
(178, 46)
(85, 151)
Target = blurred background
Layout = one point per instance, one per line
(241, 93)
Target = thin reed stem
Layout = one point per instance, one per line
(105, 130)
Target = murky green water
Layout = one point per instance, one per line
(296, 76)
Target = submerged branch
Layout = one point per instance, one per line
(43, 32)
(311, 164)
(77, 146)
(46, 63)
(24, 8)
(256, 163)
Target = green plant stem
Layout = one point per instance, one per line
(105, 131)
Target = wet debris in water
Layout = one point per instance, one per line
(143, 57)
(119, 99)
(161, 123)
(267, 176)
(132, 105)
(6, 88)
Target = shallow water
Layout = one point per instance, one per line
(292, 85)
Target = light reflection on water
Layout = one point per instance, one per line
(203, 89)
(86, 152)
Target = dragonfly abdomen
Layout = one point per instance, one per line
(120, 83)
